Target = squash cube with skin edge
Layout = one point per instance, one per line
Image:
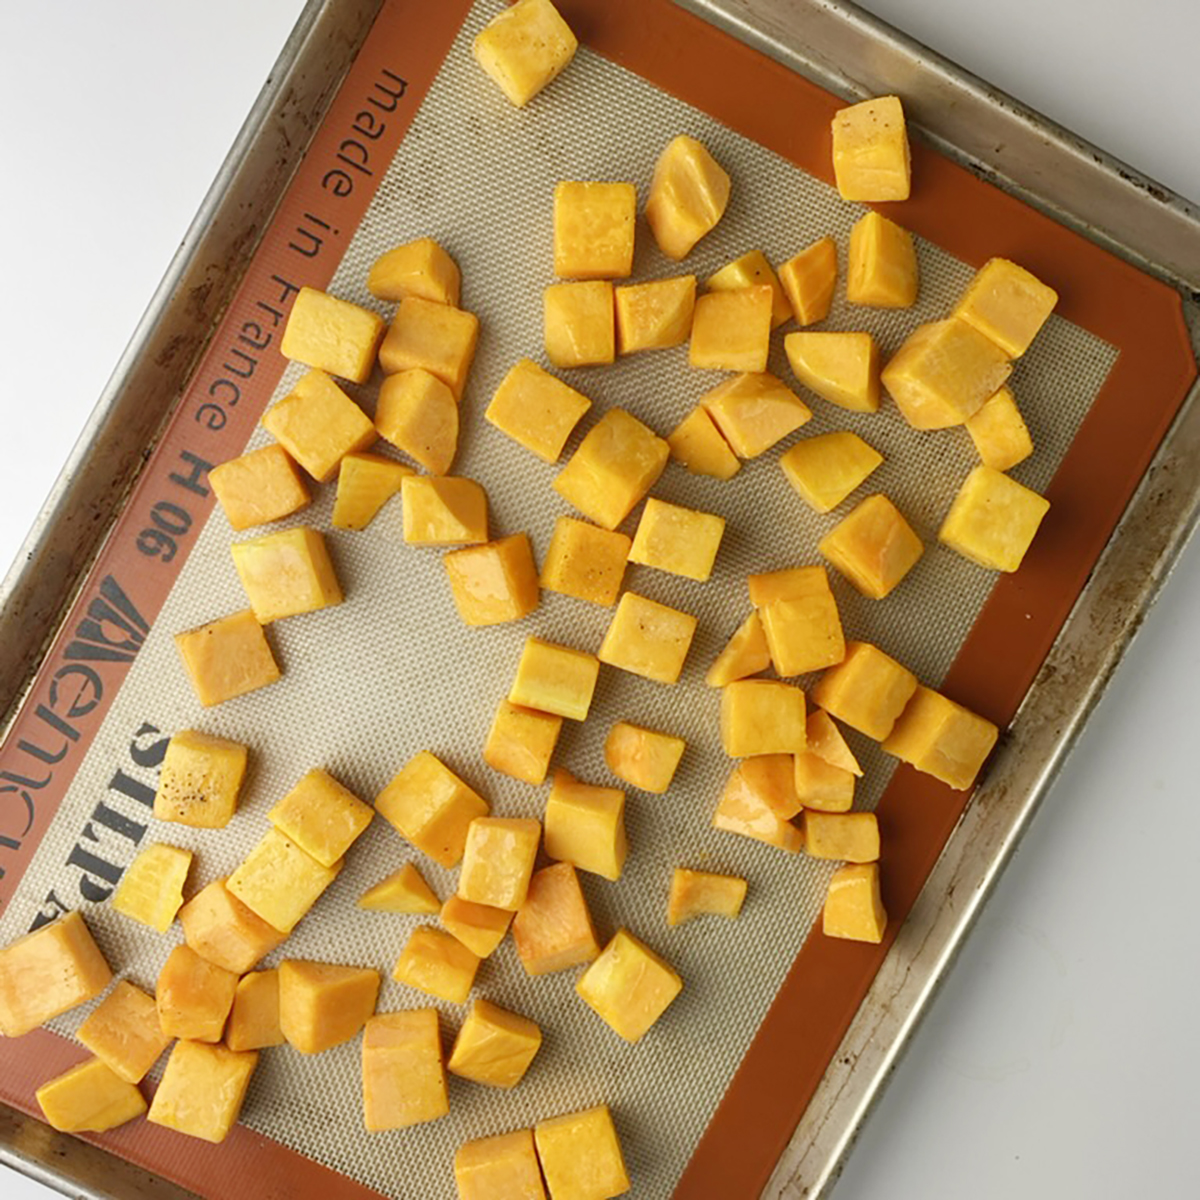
(202, 1090)
(808, 280)
(366, 482)
(286, 573)
(688, 196)
(498, 861)
(754, 411)
(648, 639)
(227, 658)
(881, 271)
(842, 368)
(746, 653)
(853, 905)
(322, 1005)
(494, 1046)
(254, 1019)
(748, 805)
(89, 1098)
(731, 330)
(678, 540)
(437, 963)
(200, 780)
(993, 520)
(418, 414)
(629, 987)
(702, 893)
(752, 270)
(553, 929)
(263, 485)
(521, 742)
(536, 410)
(418, 268)
(787, 583)
(429, 806)
(504, 1167)
(760, 716)
(655, 315)
(434, 337)
(999, 432)
(404, 891)
(585, 826)
(279, 882)
(479, 927)
(874, 547)
(321, 816)
(593, 230)
(850, 837)
(700, 446)
(555, 679)
(581, 1156)
(124, 1033)
(443, 511)
(193, 996)
(332, 335)
(825, 469)
(222, 930)
(870, 151)
(643, 758)
(867, 690)
(822, 786)
(151, 889)
(495, 582)
(585, 562)
(1007, 304)
(579, 324)
(404, 1078)
(942, 739)
(825, 740)
(318, 425)
(524, 48)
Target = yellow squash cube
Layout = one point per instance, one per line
(870, 151)
(873, 546)
(842, 368)
(803, 635)
(521, 742)
(494, 1046)
(404, 1079)
(585, 826)
(435, 337)
(221, 929)
(553, 929)
(825, 740)
(943, 373)
(942, 739)
(89, 1098)
(629, 986)
(746, 653)
(758, 801)
(499, 1168)
(525, 47)
(123, 1032)
(318, 425)
(688, 196)
(1007, 304)
(700, 893)
(555, 679)
(881, 268)
(850, 837)
(699, 445)
(418, 414)
(202, 1090)
(823, 786)
(788, 583)
(279, 882)
(581, 1156)
(536, 410)
(993, 519)
(321, 816)
(498, 861)
(579, 324)
(366, 482)
(264, 485)
(254, 1019)
(495, 582)
(655, 315)
(151, 889)
(827, 468)
(200, 780)
(678, 540)
(755, 411)
(437, 963)
(332, 335)
(404, 891)
(644, 758)
(418, 268)
(585, 562)
(227, 658)
(853, 906)
(808, 280)
(322, 1005)
(443, 511)
(648, 639)
(593, 230)
(1000, 433)
(286, 573)
(752, 270)
(479, 927)
(867, 690)
(429, 806)
(760, 716)
(193, 996)
(731, 330)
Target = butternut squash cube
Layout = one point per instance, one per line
(788, 583)
(943, 373)
(688, 196)
(435, 337)
(89, 1098)
(479, 927)
(151, 889)
(254, 1020)
(521, 742)
(629, 987)
(870, 151)
(617, 463)
(585, 826)
(286, 573)
(585, 562)
(593, 230)
(553, 928)
(227, 657)
(882, 264)
(825, 469)
(770, 780)
(874, 547)
(999, 432)
(731, 330)
(202, 1090)
(404, 891)
(331, 335)
(701, 893)
(322, 1005)
(555, 679)
(581, 1156)
(760, 716)
(752, 270)
(318, 425)
(804, 633)
(942, 739)
(437, 963)
(536, 410)
(699, 445)
(1007, 304)
(525, 47)
(842, 368)
(124, 1034)
(579, 324)
(193, 996)
(495, 582)
(418, 268)
(498, 861)
(648, 639)
(494, 1046)
(321, 816)
(221, 929)
(279, 882)
(808, 280)
(429, 806)
(867, 690)
(746, 653)
(499, 1168)
(404, 1080)
(418, 414)
(263, 485)
(825, 740)
(753, 412)
(822, 786)
(853, 906)
(678, 540)
(366, 482)
(748, 804)
(655, 315)
(993, 519)
(200, 780)
(644, 758)
(851, 837)
(443, 511)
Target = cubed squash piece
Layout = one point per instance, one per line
(688, 196)
(365, 483)
(870, 151)
(151, 889)
(437, 963)
(427, 804)
(498, 861)
(434, 337)
(760, 716)
(770, 780)
(525, 47)
(756, 793)
(1007, 304)
(617, 463)
(753, 270)
(202, 1090)
(585, 826)
(553, 929)
(227, 657)
(825, 740)
(822, 786)
(418, 414)
(746, 653)
(200, 780)
(279, 882)
(263, 485)
(678, 540)
(479, 927)
(993, 519)
(825, 469)
(867, 690)
(655, 315)
(504, 1167)
(629, 986)
(494, 1046)
(286, 573)
(123, 1032)
(644, 758)
(941, 738)
(495, 582)
(943, 373)
(881, 269)
(322, 1005)
(808, 280)
(318, 425)
(999, 432)
(874, 547)
(221, 929)
(321, 816)
(850, 837)
(331, 335)
(418, 268)
(853, 906)
(593, 230)
(701, 893)
(585, 562)
(753, 412)
(700, 446)
(89, 1098)
(404, 1079)
(193, 996)
(579, 324)
(731, 330)
(443, 510)
(555, 679)
(804, 633)
(842, 368)
(787, 583)
(648, 639)
(536, 410)
(254, 1019)
(581, 1156)
(404, 891)
(521, 742)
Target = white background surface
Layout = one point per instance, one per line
(1059, 1058)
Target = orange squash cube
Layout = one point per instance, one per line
(731, 330)
(870, 151)
(942, 739)
(286, 573)
(254, 1019)
(688, 196)
(700, 446)
(521, 742)
(331, 335)
(279, 882)
(581, 1156)
(227, 658)
(701, 893)
(648, 639)
(365, 483)
(678, 540)
(803, 633)
(752, 270)
(808, 280)
(435, 337)
(318, 425)
(853, 906)
(851, 837)
(202, 1090)
(753, 412)
(842, 368)
(999, 432)
(759, 800)
(524, 48)
(629, 987)
(498, 861)
(593, 230)
(644, 758)
(746, 653)
(585, 562)
(874, 547)
(882, 267)
(221, 929)
(655, 315)
(787, 583)
(443, 511)
(418, 414)
(827, 468)
(418, 268)
(322, 1005)
(993, 520)
(321, 816)
(494, 1046)
(825, 740)
(404, 891)
(436, 962)
(123, 1032)
(1007, 304)
(555, 679)
(495, 582)
(553, 928)
(151, 889)
(536, 409)
(193, 996)
(822, 786)
(404, 1078)
(480, 927)
(89, 1098)
(760, 716)
(579, 324)
(867, 690)
(585, 826)
(499, 1168)
(263, 485)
